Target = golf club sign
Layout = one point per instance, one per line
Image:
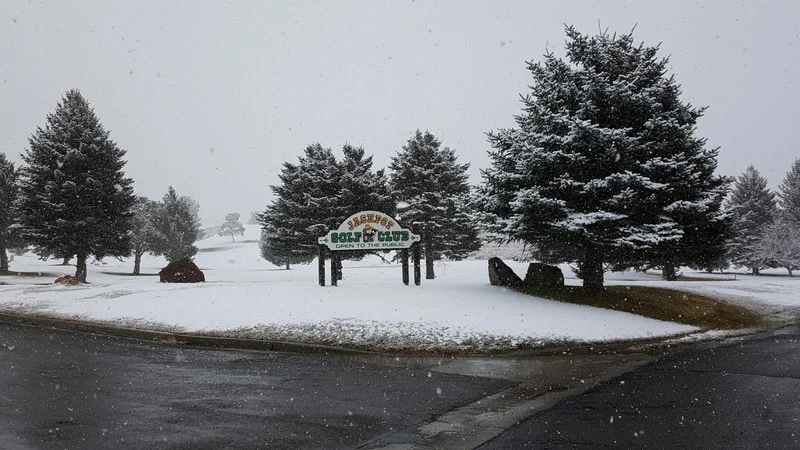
(368, 231)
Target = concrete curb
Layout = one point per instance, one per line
(651, 345)
(163, 337)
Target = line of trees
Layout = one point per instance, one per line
(766, 225)
(427, 190)
(71, 198)
(603, 171)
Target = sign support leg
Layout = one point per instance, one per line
(417, 271)
(321, 263)
(334, 274)
(404, 260)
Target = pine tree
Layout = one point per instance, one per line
(282, 247)
(176, 228)
(753, 208)
(74, 198)
(779, 245)
(232, 226)
(789, 194)
(8, 194)
(361, 189)
(305, 206)
(432, 191)
(145, 212)
(603, 167)
(316, 196)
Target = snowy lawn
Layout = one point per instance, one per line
(245, 296)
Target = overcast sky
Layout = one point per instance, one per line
(213, 96)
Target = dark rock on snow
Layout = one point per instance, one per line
(502, 275)
(544, 276)
(181, 271)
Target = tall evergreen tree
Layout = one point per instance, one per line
(74, 198)
(232, 226)
(432, 193)
(789, 194)
(361, 189)
(176, 228)
(316, 196)
(143, 233)
(305, 205)
(8, 194)
(604, 167)
(753, 208)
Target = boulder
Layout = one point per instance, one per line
(502, 275)
(67, 280)
(543, 276)
(181, 271)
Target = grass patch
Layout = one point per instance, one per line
(702, 278)
(659, 303)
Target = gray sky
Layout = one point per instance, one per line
(213, 96)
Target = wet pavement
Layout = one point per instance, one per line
(741, 394)
(65, 389)
(74, 390)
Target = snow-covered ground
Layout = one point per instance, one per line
(245, 296)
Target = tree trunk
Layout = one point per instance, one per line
(788, 269)
(756, 271)
(80, 267)
(65, 262)
(287, 263)
(668, 273)
(3, 260)
(137, 262)
(339, 266)
(429, 272)
(592, 269)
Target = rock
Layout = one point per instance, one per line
(181, 271)
(502, 275)
(544, 276)
(67, 280)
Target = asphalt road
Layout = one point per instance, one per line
(73, 390)
(741, 395)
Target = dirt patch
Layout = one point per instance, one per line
(659, 303)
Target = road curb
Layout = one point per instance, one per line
(650, 345)
(164, 337)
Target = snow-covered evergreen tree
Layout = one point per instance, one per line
(282, 247)
(8, 194)
(305, 206)
(317, 195)
(432, 193)
(143, 232)
(194, 208)
(232, 226)
(604, 167)
(74, 198)
(779, 245)
(789, 194)
(753, 208)
(176, 228)
(361, 189)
